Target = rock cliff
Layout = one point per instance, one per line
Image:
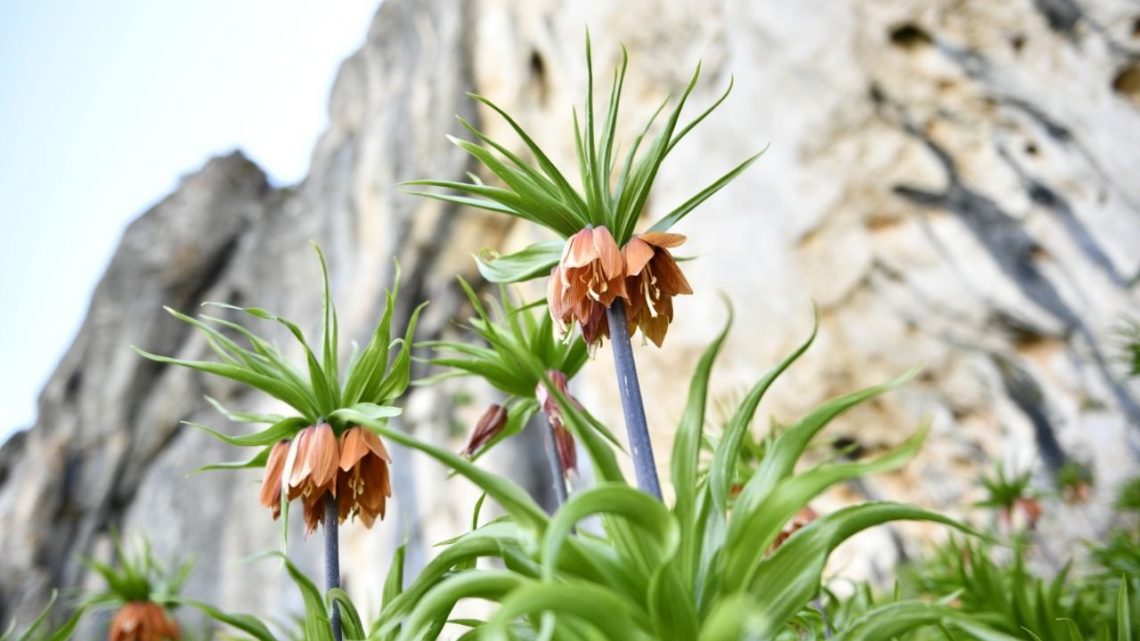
(953, 183)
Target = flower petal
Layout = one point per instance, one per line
(324, 455)
(637, 254)
(270, 495)
(580, 250)
(301, 468)
(663, 239)
(669, 276)
(352, 448)
(608, 253)
(375, 444)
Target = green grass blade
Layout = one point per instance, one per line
(675, 216)
(534, 261)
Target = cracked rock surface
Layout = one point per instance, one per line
(953, 183)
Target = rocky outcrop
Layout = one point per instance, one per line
(951, 182)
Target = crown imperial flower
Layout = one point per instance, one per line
(364, 480)
(653, 279)
(313, 471)
(143, 621)
(588, 278)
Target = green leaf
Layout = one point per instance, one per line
(284, 429)
(785, 452)
(351, 624)
(329, 331)
(686, 450)
(534, 261)
(610, 613)
(728, 451)
(257, 461)
(660, 538)
(368, 370)
(762, 525)
(675, 216)
(275, 387)
(244, 417)
(247, 623)
(544, 162)
(435, 606)
(789, 578)
(394, 583)
(1123, 611)
(895, 619)
(316, 615)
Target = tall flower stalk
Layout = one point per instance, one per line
(332, 560)
(604, 278)
(640, 445)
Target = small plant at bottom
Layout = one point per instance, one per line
(142, 592)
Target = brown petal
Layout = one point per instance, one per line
(490, 424)
(374, 443)
(663, 239)
(669, 276)
(637, 254)
(567, 453)
(324, 455)
(655, 327)
(374, 474)
(344, 502)
(580, 250)
(301, 464)
(608, 253)
(615, 288)
(270, 494)
(314, 510)
(558, 308)
(352, 448)
(595, 326)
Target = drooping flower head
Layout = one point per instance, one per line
(490, 425)
(143, 593)
(364, 481)
(328, 450)
(653, 280)
(588, 278)
(143, 621)
(314, 455)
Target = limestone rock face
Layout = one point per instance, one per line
(952, 183)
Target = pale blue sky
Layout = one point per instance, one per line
(103, 105)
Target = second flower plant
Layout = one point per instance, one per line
(326, 450)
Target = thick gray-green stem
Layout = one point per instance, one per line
(332, 559)
(631, 404)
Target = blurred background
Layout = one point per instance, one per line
(953, 183)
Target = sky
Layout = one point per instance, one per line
(104, 105)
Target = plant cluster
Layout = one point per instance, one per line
(738, 553)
